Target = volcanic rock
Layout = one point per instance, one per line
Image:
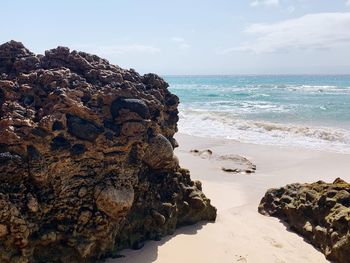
(319, 211)
(86, 158)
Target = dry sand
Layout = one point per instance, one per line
(240, 233)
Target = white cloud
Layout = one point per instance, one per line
(264, 2)
(181, 42)
(347, 3)
(312, 31)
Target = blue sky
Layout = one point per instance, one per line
(191, 37)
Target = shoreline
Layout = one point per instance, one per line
(327, 138)
(240, 233)
(221, 140)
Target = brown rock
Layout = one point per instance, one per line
(115, 202)
(159, 153)
(319, 211)
(86, 155)
(133, 129)
(32, 204)
(3, 230)
(160, 219)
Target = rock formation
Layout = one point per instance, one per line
(320, 212)
(86, 158)
(230, 163)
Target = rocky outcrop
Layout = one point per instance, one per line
(86, 158)
(320, 212)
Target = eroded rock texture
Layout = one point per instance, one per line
(320, 212)
(86, 158)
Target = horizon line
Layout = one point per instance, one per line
(256, 74)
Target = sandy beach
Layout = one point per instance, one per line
(240, 233)
(175, 131)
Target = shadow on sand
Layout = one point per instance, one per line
(293, 230)
(149, 253)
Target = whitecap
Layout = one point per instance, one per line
(225, 125)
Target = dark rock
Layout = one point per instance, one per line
(82, 129)
(26, 64)
(159, 153)
(173, 118)
(138, 245)
(78, 149)
(134, 105)
(109, 135)
(172, 100)
(57, 126)
(2, 97)
(10, 52)
(60, 143)
(110, 124)
(27, 99)
(86, 159)
(33, 153)
(319, 212)
(40, 132)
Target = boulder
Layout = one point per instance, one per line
(319, 211)
(159, 152)
(86, 158)
(115, 202)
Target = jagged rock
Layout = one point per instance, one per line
(86, 158)
(319, 211)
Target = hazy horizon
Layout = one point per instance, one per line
(245, 37)
(258, 74)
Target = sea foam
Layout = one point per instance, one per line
(300, 111)
(214, 125)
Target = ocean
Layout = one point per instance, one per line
(303, 111)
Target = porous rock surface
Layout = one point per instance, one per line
(320, 212)
(86, 158)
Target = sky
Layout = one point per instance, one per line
(191, 37)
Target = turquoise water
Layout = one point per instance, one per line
(302, 111)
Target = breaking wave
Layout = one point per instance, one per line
(223, 125)
(309, 111)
